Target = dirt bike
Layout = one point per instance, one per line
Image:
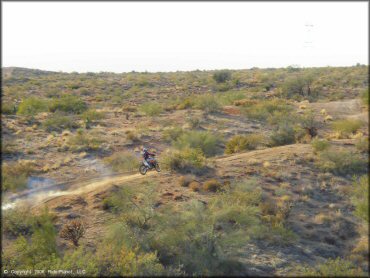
(145, 166)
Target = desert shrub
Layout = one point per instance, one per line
(18, 221)
(39, 251)
(184, 181)
(299, 86)
(83, 141)
(69, 104)
(151, 109)
(122, 161)
(59, 122)
(92, 115)
(73, 231)
(194, 186)
(77, 259)
(185, 159)
(194, 122)
(8, 108)
(8, 147)
(365, 97)
(118, 259)
(15, 175)
(171, 134)
(331, 268)
(284, 135)
(208, 103)
(185, 103)
(222, 76)
(265, 108)
(132, 135)
(360, 193)
(245, 102)
(203, 239)
(212, 185)
(129, 108)
(347, 127)
(223, 226)
(32, 106)
(341, 162)
(243, 142)
(203, 140)
(320, 145)
(229, 98)
(308, 122)
(362, 144)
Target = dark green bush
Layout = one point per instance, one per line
(32, 106)
(203, 140)
(319, 145)
(151, 108)
(360, 200)
(69, 104)
(342, 162)
(222, 76)
(284, 135)
(123, 161)
(243, 142)
(60, 121)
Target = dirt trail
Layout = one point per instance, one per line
(76, 188)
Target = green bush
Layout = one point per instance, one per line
(208, 103)
(122, 161)
(243, 142)
(320, 145)
(151, 109)
(265, 109)
(69, 104)
(60, 121)
(32, 106)
(347, 127)
(8, 108)
(362, 144)
(331, 268)
(18, 222)
(185, 159)
(83, 141)
(222, 76)
(171, 134)
(92, 115)
(203, 140)
(194, 122)
(360, 194)
(228, 98)
(15, 175)
(284, 135)
(37, 253)
(365, 97)
(342, 162)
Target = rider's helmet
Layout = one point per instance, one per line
(145, 149)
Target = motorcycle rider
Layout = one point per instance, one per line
(148, 157)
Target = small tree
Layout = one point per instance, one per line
(222, 76)
(73, 231)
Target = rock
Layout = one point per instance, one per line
(72, 215)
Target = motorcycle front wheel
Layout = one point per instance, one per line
(143, 169)
(157, 168)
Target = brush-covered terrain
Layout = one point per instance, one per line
(264, 172)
